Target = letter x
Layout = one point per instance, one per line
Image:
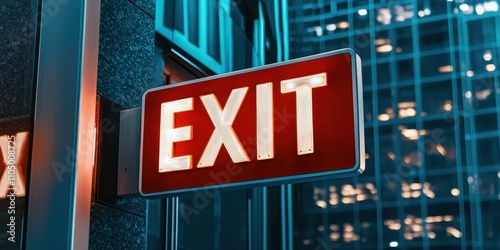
(21, 139)
(223, 132)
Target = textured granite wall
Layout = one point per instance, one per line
(126, 49)
(125, 72)
(17, 43)
(147, 6)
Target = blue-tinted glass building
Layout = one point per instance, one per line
(431, 117)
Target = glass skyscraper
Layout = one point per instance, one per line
(431, 102)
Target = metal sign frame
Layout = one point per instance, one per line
(357, 94)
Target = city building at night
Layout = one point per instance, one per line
(73, 75)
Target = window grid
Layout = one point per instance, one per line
(458, 117)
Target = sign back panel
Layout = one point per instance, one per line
(286, 122)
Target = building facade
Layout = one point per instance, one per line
(431, 114)
(431, 125)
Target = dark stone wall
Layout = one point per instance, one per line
(148, 6)
(125, 72)
(126, 50)
(17, 48)
(111, 228)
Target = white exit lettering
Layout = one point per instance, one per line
(223, 118)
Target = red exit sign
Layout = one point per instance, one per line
(286, 122)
